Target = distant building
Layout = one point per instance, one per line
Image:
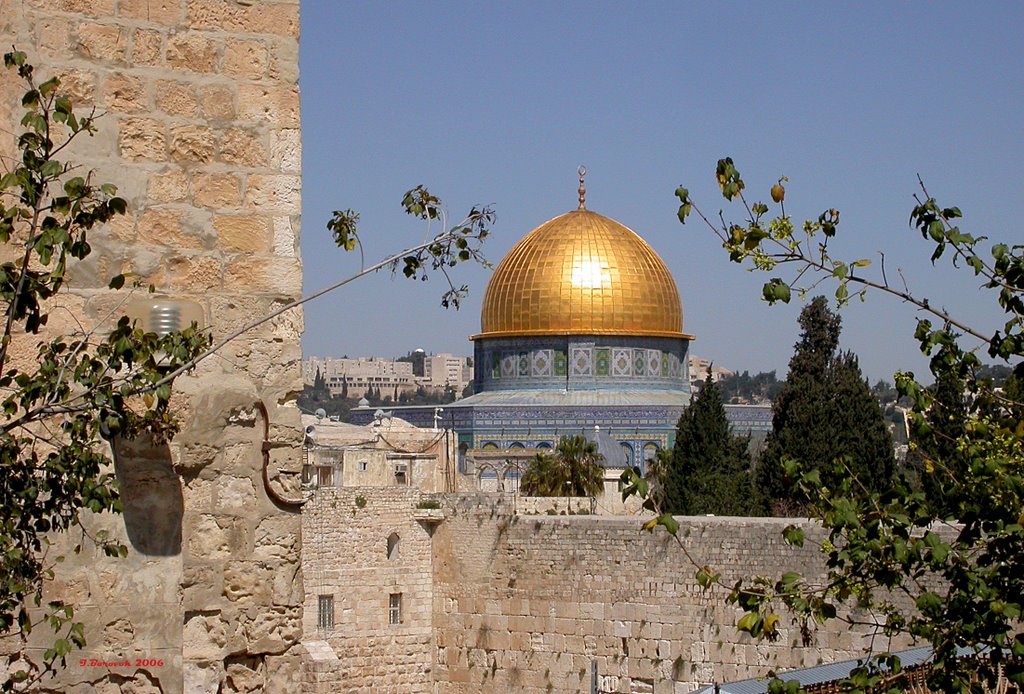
(446, 371)
(386, 453)
(699, 371)
(354, 377)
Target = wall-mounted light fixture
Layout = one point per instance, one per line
(163, 315)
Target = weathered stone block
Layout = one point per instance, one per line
(125, 93)
(169, 185)
(142, 138)
(248, 581)
(78, 85)
(276, 105)
(263, 18)
(55, 36)
(176, 98)
(278, 193)
(102, 42)
(235, 496)
(204, 636)
(217, 102)
(202, 677)
(276, 537)
(192, 143)
(165, 227)
(99, 8)
(194, 274)
(245, 59)
(147, 47)
(273, 630)
(216, 190)
(284, 63)
(209, 539)
(243, 146)
(167, 13)
(286, 150)
(242, 233)
(193, 52)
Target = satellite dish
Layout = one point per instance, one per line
(311, 432)
(321, 413)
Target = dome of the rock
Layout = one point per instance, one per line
(581, 274)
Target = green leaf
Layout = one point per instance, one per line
(669, 523)
(793, 535)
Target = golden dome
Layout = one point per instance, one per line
(581, 274)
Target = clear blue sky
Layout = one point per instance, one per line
(498, 103)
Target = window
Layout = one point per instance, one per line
(362, 466)
(324, 476)
(325, 612)
(395, 608)
(393, 546)
(401, 476)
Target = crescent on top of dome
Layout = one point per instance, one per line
(581, 274)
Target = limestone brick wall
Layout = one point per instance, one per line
(200, 132)
(346, 556)
(527, 603)
(553, 505)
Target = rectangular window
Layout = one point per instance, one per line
(324, 476)
(325, 612)
(395, 608)
(401, 474)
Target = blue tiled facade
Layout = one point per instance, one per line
(581, 362)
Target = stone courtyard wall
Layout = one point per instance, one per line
(499, 602)
(200, 132)
(527, 603)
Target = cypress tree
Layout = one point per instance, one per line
(858, 425)
(709, 468)
(825, 412)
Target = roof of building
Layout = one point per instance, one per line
(819, 674)
(612, 455)
(581, 273)
(593, 397)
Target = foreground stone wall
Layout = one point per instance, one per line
(200, 132)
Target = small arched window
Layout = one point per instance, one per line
(393, 546)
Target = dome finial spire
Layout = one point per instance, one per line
(582, 171)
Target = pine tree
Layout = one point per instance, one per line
(824, 412)
(709, 468)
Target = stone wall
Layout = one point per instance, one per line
(528, 603)
(361, 546)
(499, 602)
(200, 132)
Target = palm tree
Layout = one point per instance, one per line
(572, 470)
